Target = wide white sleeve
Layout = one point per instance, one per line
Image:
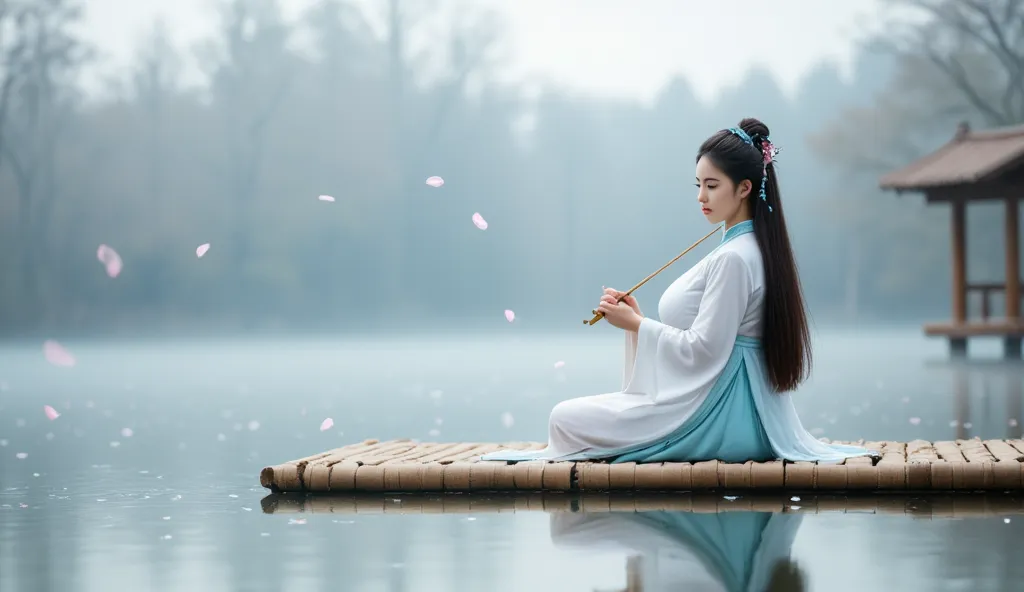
(630, 358)
(671, 361)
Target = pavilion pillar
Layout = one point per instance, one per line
(961, 400)
(959, 262)
(958, 345)
(1012, 347)
(1015, 418)
(634, 574)
(1012, 260)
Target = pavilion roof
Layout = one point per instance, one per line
(970, 157)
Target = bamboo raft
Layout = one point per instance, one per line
(926, 506)
(408, 466)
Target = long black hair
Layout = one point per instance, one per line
(786, 337)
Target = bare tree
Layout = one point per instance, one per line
(155, 81)
(36, 94)
(12, 53)
(976, 47)
(469, 47)
(251, 74)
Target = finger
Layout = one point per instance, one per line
(608, 298)
(611, 291)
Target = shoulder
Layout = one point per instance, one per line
(734, 259)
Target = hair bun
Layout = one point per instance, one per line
(754, 127)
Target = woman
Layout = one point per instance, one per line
(684, 550)
(712, 379)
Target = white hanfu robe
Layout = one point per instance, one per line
(697, 373)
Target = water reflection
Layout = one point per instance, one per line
(922, 505)
(85, 507)
(730, 551)
(744, 540)
(985, 393)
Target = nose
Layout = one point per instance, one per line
(702, 195)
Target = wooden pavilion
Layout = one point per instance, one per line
(975, 166)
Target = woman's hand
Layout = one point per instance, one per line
(620, 314)
(616, 295)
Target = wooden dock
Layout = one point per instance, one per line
(413, 467)
(925, 505)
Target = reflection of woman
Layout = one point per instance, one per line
(710, 379)
(731, 551)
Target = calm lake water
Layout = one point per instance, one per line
(148, 480)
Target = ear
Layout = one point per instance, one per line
(744, 188)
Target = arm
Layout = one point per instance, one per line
(667, 355)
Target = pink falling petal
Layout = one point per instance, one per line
(202, 249)
(326, 198)
(50, 412)
(479, 221)
(559, 364)
(327, 424)
(109, 257)
(510, 316)
(915, 420)
(56, 354)
(21, 455)
(435, 181)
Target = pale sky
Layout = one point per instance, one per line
(627, 48)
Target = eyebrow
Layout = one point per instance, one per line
(708, 179)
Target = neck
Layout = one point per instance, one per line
(730, 223)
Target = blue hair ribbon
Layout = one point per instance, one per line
(768, 151)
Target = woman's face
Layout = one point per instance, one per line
(719, 199)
